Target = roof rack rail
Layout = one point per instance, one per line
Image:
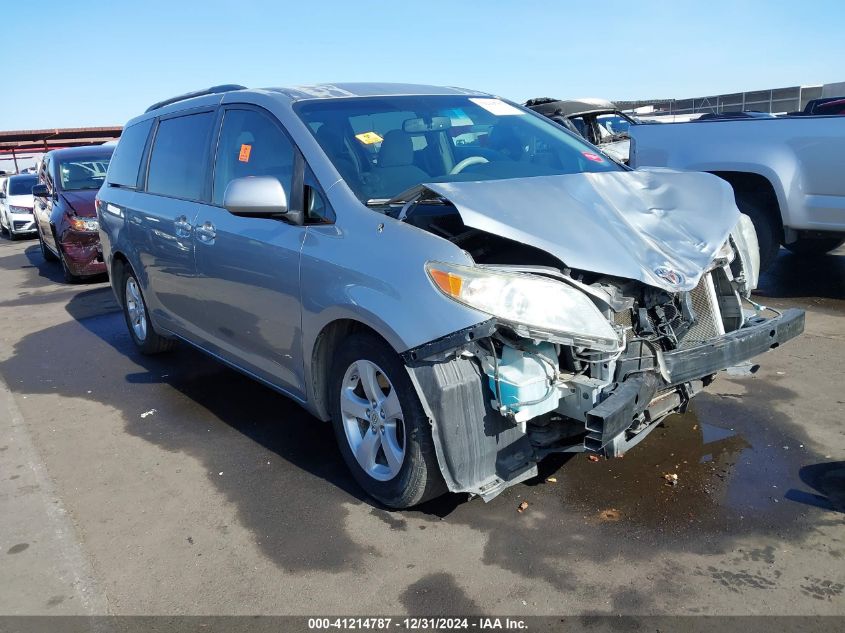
(197, 93)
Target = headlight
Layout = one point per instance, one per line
(14, 209)
(84, 224)
(745, 237)
(532, 305)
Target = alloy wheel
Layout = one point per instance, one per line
(135, 309)
(373, 420)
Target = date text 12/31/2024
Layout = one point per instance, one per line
(418, 624)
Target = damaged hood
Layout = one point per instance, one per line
(660, 227)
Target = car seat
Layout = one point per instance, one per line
(396, 170)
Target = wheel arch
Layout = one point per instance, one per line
(117, 270)
(319, 370)
(758, 186)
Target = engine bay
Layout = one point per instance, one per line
(548, 387)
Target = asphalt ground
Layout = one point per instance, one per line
(173, 485)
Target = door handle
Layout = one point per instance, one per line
(182, 227)
(206, 233)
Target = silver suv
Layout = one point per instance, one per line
(459, 284)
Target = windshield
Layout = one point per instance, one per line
(383, 146)
(83, 173)
(22, 185)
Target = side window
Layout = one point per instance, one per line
(580, 124)
(178, 159)
(251, 144)
(126, 160)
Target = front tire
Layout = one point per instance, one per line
(70, 278)
(809, 247)
(380, 426)
(46, 253)
(135, 313)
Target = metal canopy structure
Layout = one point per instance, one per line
(18, 143)
(774, 100)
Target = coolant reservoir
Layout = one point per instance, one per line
(525, 378)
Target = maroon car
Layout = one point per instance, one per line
(65, 217)
(831, 107)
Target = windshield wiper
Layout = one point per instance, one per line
(408, 198)
(388, 205)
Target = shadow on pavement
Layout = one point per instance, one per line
(828, 480)
(276, 457)
(791, 276)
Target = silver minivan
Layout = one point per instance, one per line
(459, 284)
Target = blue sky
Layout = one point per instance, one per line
(87, 63)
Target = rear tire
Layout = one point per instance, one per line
(135, 313)
(768, 230)
(403, 469)
(806, 247)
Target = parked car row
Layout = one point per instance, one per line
(65, 215)
(459, 284)
(56, 205)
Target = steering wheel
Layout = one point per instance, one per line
(466, 162)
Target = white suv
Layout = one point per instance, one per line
(16, 202)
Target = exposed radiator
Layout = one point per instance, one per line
(708, 318)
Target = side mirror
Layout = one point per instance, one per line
(259, 197)
(40, 191)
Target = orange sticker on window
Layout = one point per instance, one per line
(244, 155)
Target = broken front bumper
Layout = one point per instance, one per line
(732, 348)
(653, 394)
(481, 452)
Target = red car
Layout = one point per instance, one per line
(831, 107)
(65, 217)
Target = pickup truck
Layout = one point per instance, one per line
(787, 173)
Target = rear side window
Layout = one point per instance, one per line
(123, 170)
(178, 160)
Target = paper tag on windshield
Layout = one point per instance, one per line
(497, 107)
(368, 138)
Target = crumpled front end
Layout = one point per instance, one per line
(503, 395)
(83, 253)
